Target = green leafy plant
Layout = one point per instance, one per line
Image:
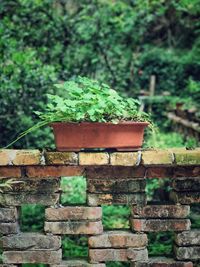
(87, 100)
(8, 184)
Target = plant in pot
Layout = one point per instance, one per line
(92, 115)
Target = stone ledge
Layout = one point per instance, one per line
(20, 157)
(156, 157)
(61, 158)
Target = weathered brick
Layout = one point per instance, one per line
(109, 254)
(28, 198)
(187, 253)
(4, 157)
(118, 239)
(190, 238)
(61, 158)
(160, 211)
(157, 157)
(188, 157)
(162, 262)
(20, 157)
(124, 158)
(74, 228)
(10, 172)
(115, 172)
(116, 186)
(9, 228)
(101, 158)
(157, 225)
(185, 197)
(8, 214)
(54, 171)
(159, 172)
(31, 241)
(109, 199)
(33, 185)
(73, 213)
(186, 184)
(173, 172)
(78, 263)
(187, 171)
(42, 256)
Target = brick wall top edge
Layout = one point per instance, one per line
(150, 157)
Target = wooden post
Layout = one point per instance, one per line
(152, 87)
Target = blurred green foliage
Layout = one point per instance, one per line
(74, 190)
(120, 42)
(32, 218)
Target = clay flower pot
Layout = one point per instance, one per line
(124, 136)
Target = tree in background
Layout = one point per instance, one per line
(120, 42)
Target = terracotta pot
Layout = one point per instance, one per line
(123, 136)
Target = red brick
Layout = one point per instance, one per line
(10, 172)
(54, 171)
(9, 228)
(8, 214)
(187, 253)
(157, 225)
(109, 199)
(185, 198)
(116, 186)
(41, 256)
(109, 254)
(189, 238)
(33, 185)
(31, 241)
(74, 228)
(161, 262)
(186, 184)
(28, 198)
(76, 263)
(160, 211)
(73, 213)
(118, 239)
(172, 172)
(115, 172)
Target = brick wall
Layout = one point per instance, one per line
(112, 178)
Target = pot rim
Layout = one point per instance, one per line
(145, 123)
